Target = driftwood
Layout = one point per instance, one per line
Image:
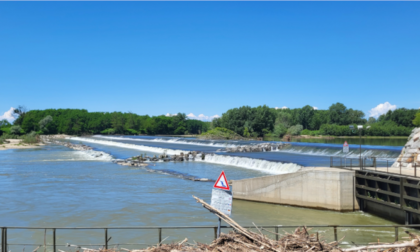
(413, 243)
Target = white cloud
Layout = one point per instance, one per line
(381, 109)
(202, 117)
(315, 108)
(284, 107)
(169, 114)
(8, 115)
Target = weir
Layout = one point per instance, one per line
(382, 192)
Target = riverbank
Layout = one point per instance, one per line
(17, 144)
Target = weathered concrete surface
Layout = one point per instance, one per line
(321, 188)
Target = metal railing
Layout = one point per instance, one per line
(160, 229)
(370, 164)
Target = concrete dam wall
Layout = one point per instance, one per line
(320, 188)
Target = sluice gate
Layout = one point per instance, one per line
(389, 192)
(394, 197)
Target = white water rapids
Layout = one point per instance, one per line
(243, 162)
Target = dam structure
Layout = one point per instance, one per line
(348, 185)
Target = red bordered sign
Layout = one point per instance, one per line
(222, 182)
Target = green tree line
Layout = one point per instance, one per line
(258, 121)
(80, 121)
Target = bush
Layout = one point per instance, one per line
(31, 138)
(279, 130)
(416, 120)
(16, 130)
(295, 130)
(110, 131)
(131, 132)
(221, 133)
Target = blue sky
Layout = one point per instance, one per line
(206, 57)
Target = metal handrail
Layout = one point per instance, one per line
(160, 228)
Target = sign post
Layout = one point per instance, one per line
(345, 150)
(221, 198)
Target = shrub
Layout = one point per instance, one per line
(295, 130)
(31, 138)
(16, 130)
(416, 120)
(131, 132)
(279, 130)
(110, 131)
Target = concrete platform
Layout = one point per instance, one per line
(313, 187)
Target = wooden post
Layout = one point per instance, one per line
(396, 234)
(160, 235)
(54, 241)
(277, 233)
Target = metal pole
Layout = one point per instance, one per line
(219, 228)
(5, 239)
(335, 233)
(396, 234)
(54, 242)
(277, 233)
(360, 149)
(106, 238)
(2, 239)
(160, 235)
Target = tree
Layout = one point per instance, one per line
(295, 130)
(44, 122)
(19, 113)
(416, 121)
(337, 113)
(246, 132)
(305, 115)
(279, 130)
(15, 130)
(371, 120)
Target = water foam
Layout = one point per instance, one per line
(208, 143)
(129, 146)
(243, 162)
(83, 155)
(328, 151)
(253, 163)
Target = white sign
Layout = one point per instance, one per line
(222, 201)
(346, 147)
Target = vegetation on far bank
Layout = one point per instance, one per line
(264, 121)
(80, 121)
(220, 133)
(237, 123)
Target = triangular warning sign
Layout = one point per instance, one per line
(221, 182)
(345, 143)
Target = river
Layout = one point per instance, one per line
(54, 186)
